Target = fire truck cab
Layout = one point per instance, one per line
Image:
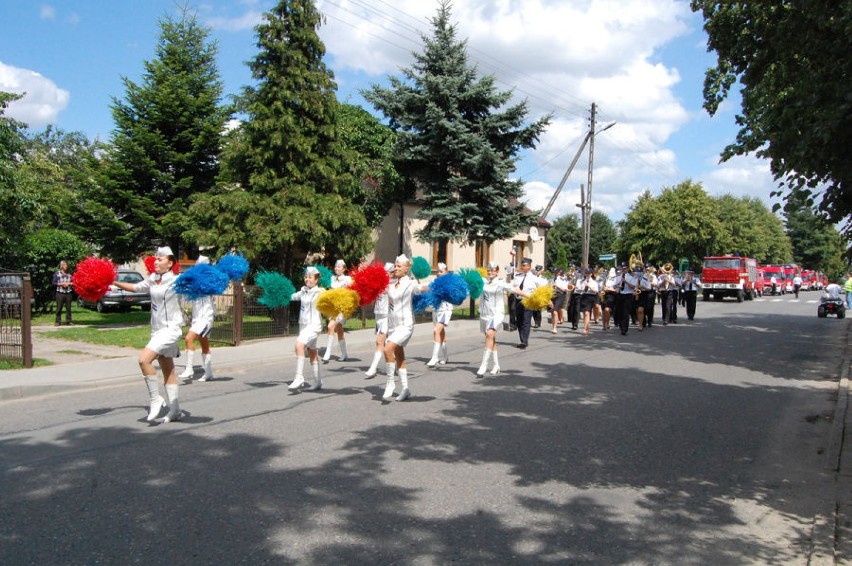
(729, 276)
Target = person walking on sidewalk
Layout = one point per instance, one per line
(166, 330)
(380, 312)
(440, 319)
(335, 326)
(310, 326)
(492, 311)
(401, 290)
(203, 313)
(64, 288)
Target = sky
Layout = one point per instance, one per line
(641, 62)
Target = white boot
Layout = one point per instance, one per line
(327, 354)
(208, 368)
(403, 379)
(374, 367)
(391, 384)
(486, 354)
(155, 400)
(496, 369)
(299, 380)
(317, 384)
(174, 414)
(433, 361)
(343, 354)
(445, 357)
(188, 371)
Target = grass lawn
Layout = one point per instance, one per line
(37, 362)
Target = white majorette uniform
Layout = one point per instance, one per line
(380, 311)
(492, 310)
(310, 322)
(166, 314)
(203, 314)
(401, 309)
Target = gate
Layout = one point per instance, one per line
(16, 293)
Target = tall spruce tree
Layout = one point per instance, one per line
(454, 143)
(166, 143)
(286, 188)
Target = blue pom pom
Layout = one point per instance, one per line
(234, 266)
(422, 301)
(201, 280)
(450, 288)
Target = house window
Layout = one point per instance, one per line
(483, 253)
(439, 252)
(520, 248)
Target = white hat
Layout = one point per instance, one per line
(311, 270)
(164, 251)
(442, 266)
(339, 263)
(388, 266)
(493, 265)
(402, 259)
(202, 259)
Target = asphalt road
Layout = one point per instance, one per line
(704, 442)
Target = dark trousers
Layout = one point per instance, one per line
(536, 316)
(691, 298)
(623, 311)
(63, 300)
(675, 298)
(523, 319)
(575, 310)
(513, 305)
(650, 303)
(667, 306)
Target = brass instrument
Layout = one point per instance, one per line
(666, 274)
(569, 275)
(634, 264)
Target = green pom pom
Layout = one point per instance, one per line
(325, 276)
(420, 268)
(474, 280)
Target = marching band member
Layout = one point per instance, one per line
(576, 296)
(675, 291)
(690, 286)
(644, 287)
(609, 297)
(625, 284)
(523, 284)
(335, 325)
(588, 298)
(651, 303)
(491, 314)
(440, 320)
(560, 293)
(666, 284)
(203, 314)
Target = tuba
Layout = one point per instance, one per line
(569, 275)
(636, 263)
(666, 271)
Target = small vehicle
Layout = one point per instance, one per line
(831, 305)
(118, 299)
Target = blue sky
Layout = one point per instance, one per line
(641, 61)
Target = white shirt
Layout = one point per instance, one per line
(588, 286)
(834, 291)
(491, 300)
(309, 316)
(165, 306)
(400, 301)
(693, 285)
(203, 309)
(338, 281)
(527, 282)
(625, 283)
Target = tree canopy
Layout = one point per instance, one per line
(792, 60)
(458, 140)
(286, 190)
(166, 144)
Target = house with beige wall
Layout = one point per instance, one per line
(396, 235)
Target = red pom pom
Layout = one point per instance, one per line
(370, 282)
(151, 267)
(149, 264)
(93, 277)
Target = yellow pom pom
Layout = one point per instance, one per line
(482, 272)
(539, 298)
(338, 301)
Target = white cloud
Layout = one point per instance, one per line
(47, 12)
(246, 21)
(43, 100)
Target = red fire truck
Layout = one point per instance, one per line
(729, 276)
(779, 273)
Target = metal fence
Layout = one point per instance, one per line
(16, 294)
(240, 317)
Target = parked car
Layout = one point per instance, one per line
(11, 287)
(117, 299)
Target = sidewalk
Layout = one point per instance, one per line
(78, 365)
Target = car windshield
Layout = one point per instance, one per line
(129, 277)
(721, 263)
